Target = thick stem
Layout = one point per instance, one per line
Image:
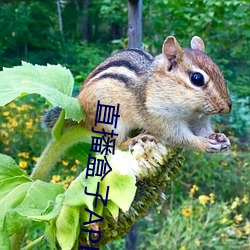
(57, 147)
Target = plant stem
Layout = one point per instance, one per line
(56, 147)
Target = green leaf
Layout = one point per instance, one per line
(39, 194)
(34, 243)
(75, 194)
(67, 226)
(20, 197)
(80, 151)
(9, 184)
(113, 209)
(122, 189)
(9, 168)
(53, 82)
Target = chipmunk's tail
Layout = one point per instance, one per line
(50, 118)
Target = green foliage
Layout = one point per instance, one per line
(52, 82)
(198, 224)
(30, 32)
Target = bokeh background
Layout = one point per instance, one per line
(207, 206)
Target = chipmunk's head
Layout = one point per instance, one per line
(197, 75)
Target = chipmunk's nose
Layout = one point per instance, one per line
(227, 108)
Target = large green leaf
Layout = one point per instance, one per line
(53, 82)
(9, 168)
(80, 151)
(67, 226)
(20, 197)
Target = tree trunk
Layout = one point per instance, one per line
(59, 16)
(85, 23)
(135, 23)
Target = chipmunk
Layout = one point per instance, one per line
(170, 96)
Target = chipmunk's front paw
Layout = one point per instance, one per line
(218, 142)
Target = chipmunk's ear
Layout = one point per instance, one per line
(171, 49)
(197, 43)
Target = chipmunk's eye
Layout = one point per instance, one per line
(197, 79)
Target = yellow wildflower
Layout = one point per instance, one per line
(223, 220)
(23, 164)
(247, 227)
(24, 154)
(238, 233)
(35, 159)
(29, 124)
(245, 199)
(234, 152)
(187, 211)
(183, 248)
(65, 185)
(6, 113)
(203, 199)
(14, 123)
(55, 178)
(65, 163)
(238, 218)
(224, 164)
(70, 178)
(197, 242)
(12, 105)
(73, 168)
(193, 190)
(211, 195)
(4, 134)
(77, 162)
(235, 203)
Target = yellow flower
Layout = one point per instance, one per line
(183, 248)
(65, 185)
(224, 164)
(247, 227)
(234, 152)
(235, 203)
(193, 190)
(12, 105)
(73, 168)
(238, 218)
(197, 242)
(238, 233)
(6, 113)
(23, 164)
(223, 220)
(187, 211)
(14, 123)
(77, 162)
(4, 134)
(245, 199)
(35, 159)
(70, 178)
(55, 178)
(24, 154)
(65, 163)
(211, 195)
(29, 124)
(203, 199)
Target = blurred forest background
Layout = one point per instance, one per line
(208, 204)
